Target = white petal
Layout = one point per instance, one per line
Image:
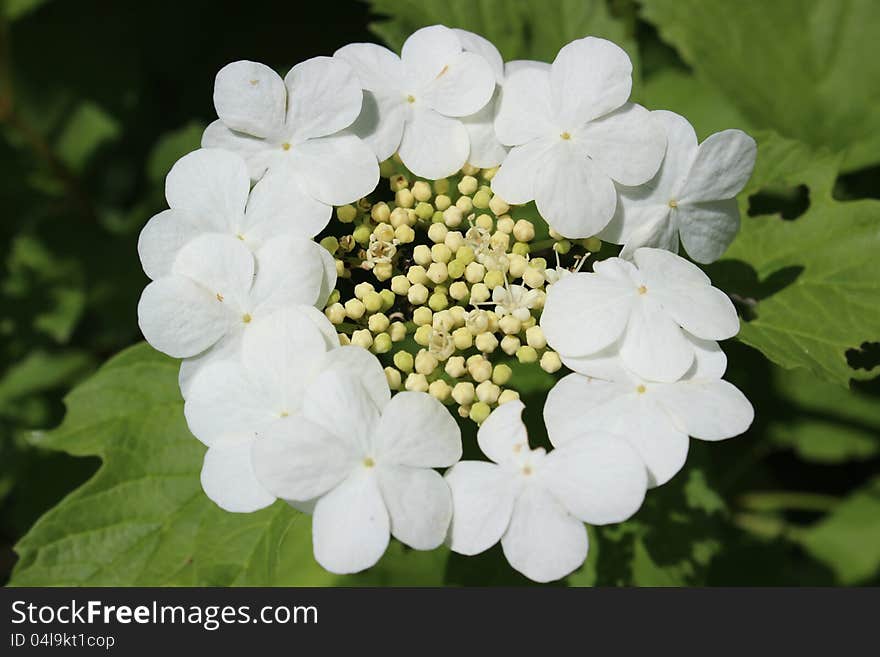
(328, 280)
(211, 186)
(590, 77)
(279, 205)
(433, 146)
(282, 353)
(227, 347)
(350, 525)
(515, 180)
(543, 542)
(598, 477)
(476, 44)
(419, 504)
(222, 265)
(228, 478)
(710, 361)
(290, 271)
(358, 363)
(298, 460)
(661, 233)
(324, 97)
(627, 145)
(482, 503)
(486, 150)
(662, 269)
(426, 52)
(338, 169)
(416, 430)
(339, 402)
(681, 149)
(380, 123)
(572, 193)
(377, 68)
(707, 409)
(161, 239)
(722, 167)
(708, 228)
(662, 447)
(181, 318)
(572, 400)
(222, 399)
(503, 434)
(464, 86)
(525, 112)
(653, 346)
(605, 364)
(257, 153)
(250, 98)
(584, 313)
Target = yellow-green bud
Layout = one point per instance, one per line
(343, 339)
(521, 248)
(426, 362)
(400, 284)
(529, 323)
(464, 254)
(346, 213)
(468, 185)
(362, 338)
(437, 233)
(422, 315)
(416, 382)
(418, 294)
(417, 274)
(354, 308)
(592, 244)
(452, 217)
(400, 217)
(442, 202)
(421, 190)
(404, 198)
(550, 362)
(398, 182)
(463, 392)
(443, 321)
(441, 186)
(535, 337)
(474, 272)
(335, 313)
(488, 174)
(510, 325)
(382, 343)
(361, 289)
(454, 240)
(398, 331)
(372, 302)
(422, 335)
(362, 234)
(393, 378)
(509, 344)
(404, 234)
(462, 339)
(524, 231)
(387, 299)
(455, 269)
(501, 374)
(493, 279)
(486, 342)
(562, 247)
(422, 254)
(507, 396)
(479, 292)
(458, 290)
(493, 320)
(480, 370)
(381, 213)
(440, 390)
(479, 412)
(340, 269)
(333, 298)
(504, 224)
(518, 265)
(498, 206)
(469, 169)
(437, 273)
(404, 361)
(488, 392)
(485, 222)
(499, 241)
(481, 199)
(455, 366)
(464, 204)
(424, 211)
(533, 277)
(458, 313)
(438, 301)
(383, 271)
(378, 323)
(331, 244)
(526, 354)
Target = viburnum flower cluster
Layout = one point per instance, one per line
(337, 332)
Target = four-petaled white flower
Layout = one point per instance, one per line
(368, 463)
(644, 311)
(413, 103)
(296, 126)
(573, 135)
(536, 503)
(234, 401)
(516, 300)
(691, 197)
(209, 191)
(210, 294)
(654, 417)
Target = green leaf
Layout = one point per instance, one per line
(823, 422)
(143, 518)
(170, 147)
(88, 128)
(520, 29)
(813, 283)
(848, 539)
(796, 66)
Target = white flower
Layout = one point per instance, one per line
(412, 103)
(515, 300)
(216, 287)
(692, 196)
(209, 191)
(573, 134)
(536, 503)
(656, 418)
(296, 126)
(368, 461)
(232, 401)
(645, 310)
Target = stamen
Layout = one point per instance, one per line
(285, 146)
(443, 72)
(641, 389)
(219, 297)
(369, 463)
(410, 98)
(673, 203)
(566, 136)
(643, 289)
(246, 318)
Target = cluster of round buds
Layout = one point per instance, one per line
(445, 286)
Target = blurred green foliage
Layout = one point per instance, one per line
(98, 99)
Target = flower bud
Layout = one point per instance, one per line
(480, 370)
(362, 234)
(479, 412)
(421, 190)
(485, 222)
(440, 390)
(441, 252)
(378, 323)
(335, 313)
(372, 302)
(354, 309)
(452, 217)
(488, 392)
(504, 224)
(507, 396)
(380, 213)
(442, 202)
(361, 289)
(469, 169)
(422, 336)
(592, 244)
(562, 247)
(479, 293)
(382, 343)
(510, 344)
(393, 378)
(398, 182)
(397, 331)
(346, 213)
(403, 198)
(533, 278)
(486, 342)
(468, 185)
(464, 204)
(550, 362)
(417, 275)
(455, 269)
(424, 211)
(524, 231)
(521, 248)
(404, 234)
(527, 354)
(417, 295)
(426, 362)
(422, 315)
(499, 206)
(441, 186)
(400, 285)
(437, 273)
(494, 279)
(344, 340)
(481, 199)
(462, 339)
(399, 217)
(510, 325)
(383, 271)
(422, 255)
(455, 366)
(500, 241)
(535, 337)
(458, 290)
(362, 338)
(416, 383)
(474, 272)
(438, 301)
(463, 392)
(501, 374)
(404, 361)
